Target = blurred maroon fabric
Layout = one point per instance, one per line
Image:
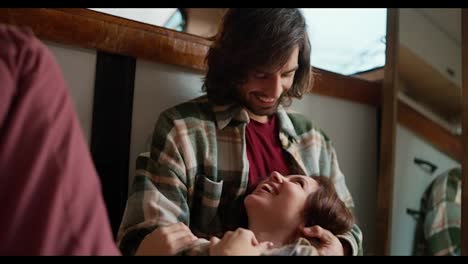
(50, 194)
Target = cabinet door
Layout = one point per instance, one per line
(410, 182)
(422, 32)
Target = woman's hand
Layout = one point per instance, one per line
(166, 240)
(241, 242)
(327, 243)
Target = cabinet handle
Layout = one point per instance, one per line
(414, 213)
(426, 165)
(450, 71)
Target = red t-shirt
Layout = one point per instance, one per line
(264, 151)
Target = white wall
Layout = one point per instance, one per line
(353, 129)
(78, 66)
(409, 184)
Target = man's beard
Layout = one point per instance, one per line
(263, 111)
(268, 111)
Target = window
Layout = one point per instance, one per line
(347, 41)
(171, 18)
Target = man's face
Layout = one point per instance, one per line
(262, 92)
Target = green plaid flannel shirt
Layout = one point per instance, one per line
(440, 222)
(197, 171)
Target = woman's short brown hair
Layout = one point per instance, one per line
(326, 209)
(250, 38)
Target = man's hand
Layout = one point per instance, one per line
(165, 241)
(326, 243)
(241, 242)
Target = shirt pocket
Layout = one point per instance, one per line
(207, 197)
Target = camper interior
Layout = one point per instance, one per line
(396, 127)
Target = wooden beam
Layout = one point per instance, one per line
(432, 88)
(90, 29)
(376, 74)
(464, 160)
(387, 138)
(439, 137)
(347, 87)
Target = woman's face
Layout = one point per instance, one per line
(281, 199)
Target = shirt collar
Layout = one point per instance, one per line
(224, 114)
(286, 125)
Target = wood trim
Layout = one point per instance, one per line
(134, 24)
(94, 30)
(347, 87)
(387, 138)
(421, 80)
(376, 74)
(464, 160)
(433, 133)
